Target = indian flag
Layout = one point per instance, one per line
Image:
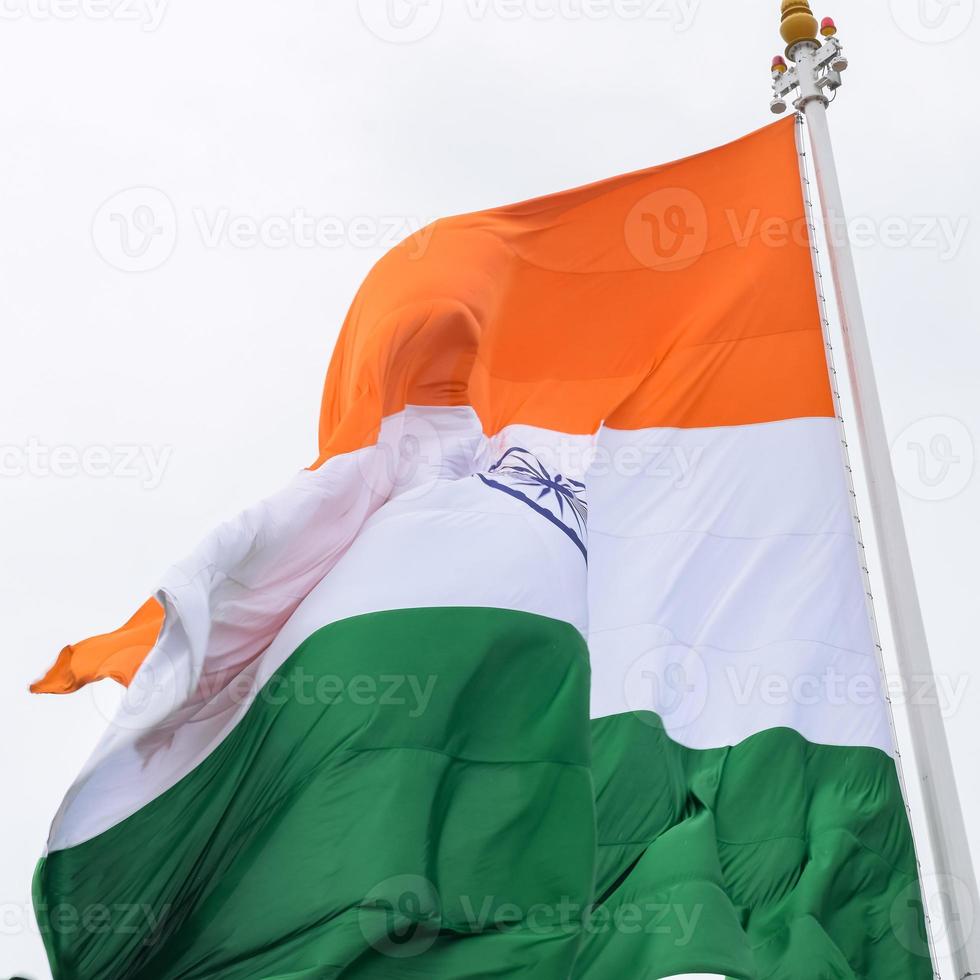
(556, 664)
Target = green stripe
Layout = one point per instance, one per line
(773, 860)
(411, 797)
(275, 857)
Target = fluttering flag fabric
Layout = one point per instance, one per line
(557, 663)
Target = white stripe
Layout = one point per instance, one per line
(724, 588)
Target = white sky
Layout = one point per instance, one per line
(212, 361)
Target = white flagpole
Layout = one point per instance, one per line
(817, 72)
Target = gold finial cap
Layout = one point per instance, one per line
(798, 24)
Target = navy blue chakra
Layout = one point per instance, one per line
(557, 498)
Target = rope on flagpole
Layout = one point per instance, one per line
(862, 553)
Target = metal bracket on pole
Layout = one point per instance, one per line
(820, 72)
(815, 75)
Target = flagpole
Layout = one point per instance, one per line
(815, 75)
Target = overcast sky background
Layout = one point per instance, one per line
(193, 370)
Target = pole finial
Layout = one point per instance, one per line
(798, 24)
